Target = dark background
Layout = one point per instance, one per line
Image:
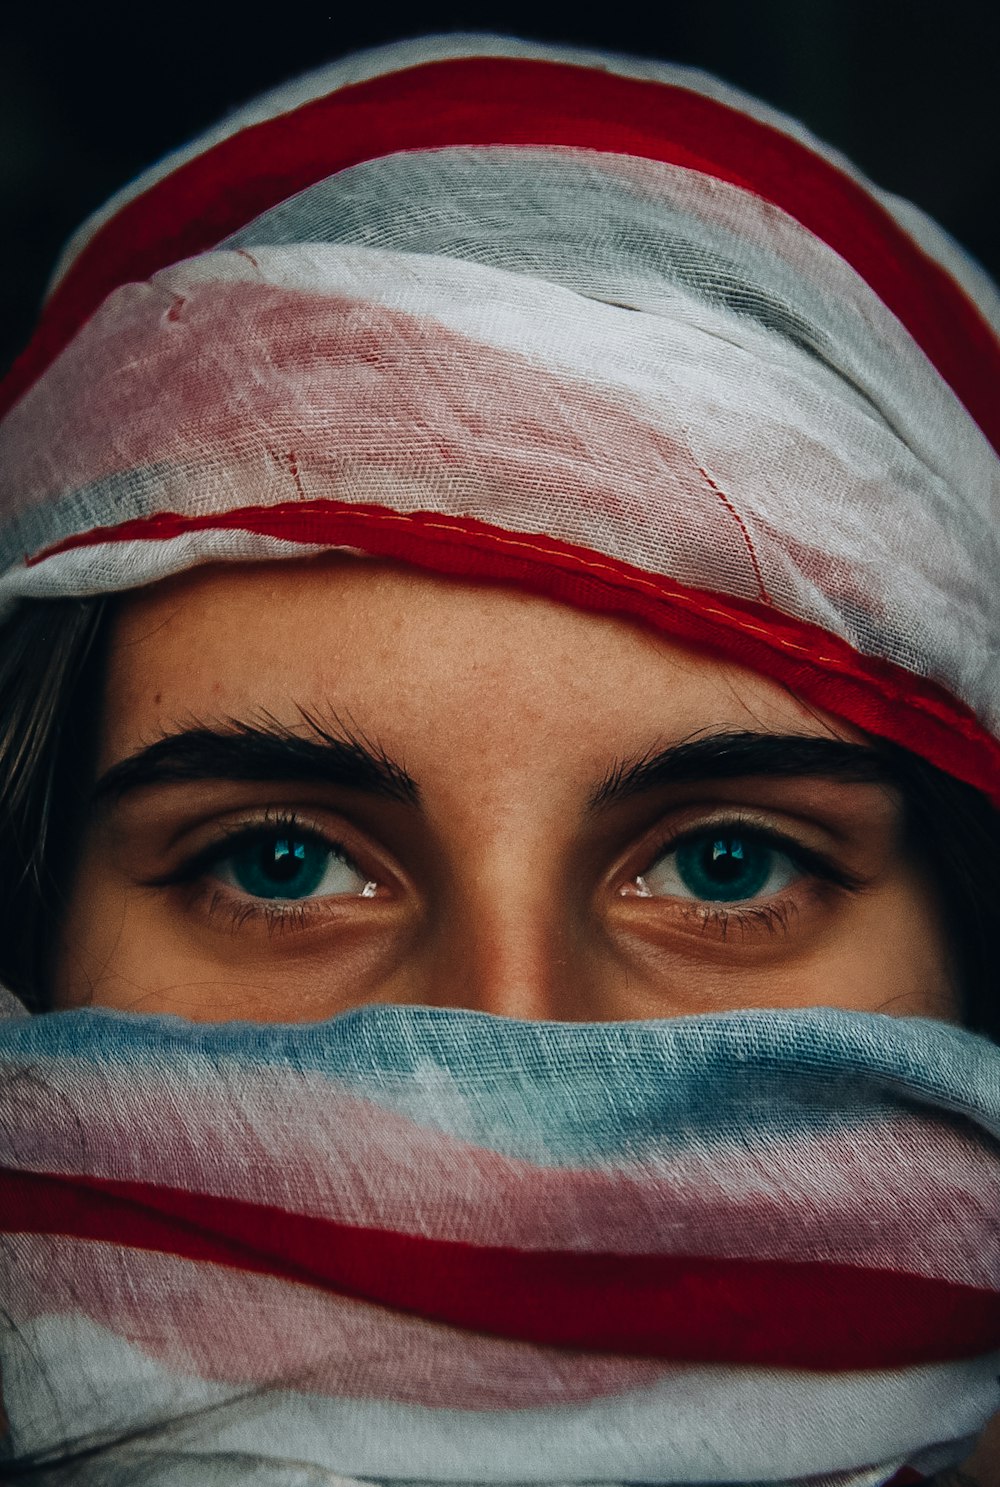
(91, 93)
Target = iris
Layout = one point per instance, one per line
(280, 867)
(720, 866)
(725, 867)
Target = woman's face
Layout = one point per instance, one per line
(334, 782)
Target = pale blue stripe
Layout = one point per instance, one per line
(558, 1092)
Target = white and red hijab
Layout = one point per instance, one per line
(602, 328)
(612, 332)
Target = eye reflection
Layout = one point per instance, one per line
(280, 865)
(719, 866)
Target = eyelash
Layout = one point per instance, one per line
(290, 915)
(771, 918)
(807, 858)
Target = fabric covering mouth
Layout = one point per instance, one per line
(414, 1244)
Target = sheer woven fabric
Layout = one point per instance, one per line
(608, 330)
(612, 332)
(449, 1247)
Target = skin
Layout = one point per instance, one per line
(501, 891)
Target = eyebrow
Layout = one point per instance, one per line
(727, 756)
(269, 751)
(260, 752)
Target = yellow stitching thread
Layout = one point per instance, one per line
(503, 539)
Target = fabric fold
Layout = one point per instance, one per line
(779, 1223)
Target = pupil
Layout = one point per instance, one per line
(282, 860)
(724, 860)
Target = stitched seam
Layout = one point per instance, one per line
(500, 539)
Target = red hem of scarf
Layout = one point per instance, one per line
(503, 101)
(874, 695)
(818, 1316)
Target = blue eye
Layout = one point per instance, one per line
(289, 866)
(719, 866)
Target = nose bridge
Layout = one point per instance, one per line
(511, 963)
(503, 930)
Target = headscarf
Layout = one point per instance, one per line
(608, 331)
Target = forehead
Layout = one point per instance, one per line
(417, 661)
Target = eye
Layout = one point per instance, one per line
(290, 865)
(719, 866)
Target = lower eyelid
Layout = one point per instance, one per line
(769, 917)
(234, 913)
(237, 910)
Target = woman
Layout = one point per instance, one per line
(628, 676)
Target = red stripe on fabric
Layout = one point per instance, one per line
(907, 1477)
(755, 1312)
(872, 694)
(503, 101)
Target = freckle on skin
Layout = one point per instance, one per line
(158, 698)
